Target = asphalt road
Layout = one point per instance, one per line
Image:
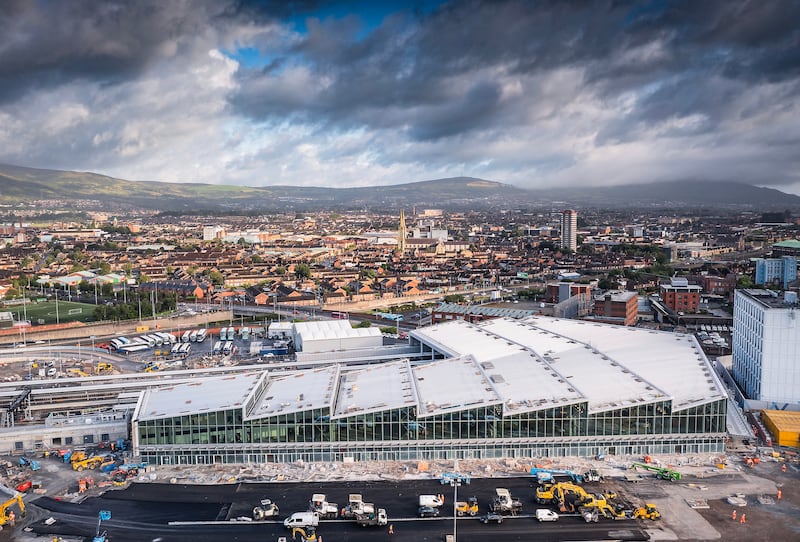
(183, 513)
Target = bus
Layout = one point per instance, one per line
(157, 339)
(217, 347)
(186, 336)
(227, 348)
(223, 333)
(201, 335)
(193, 336)
(134, 346)
(118, 342)
(175, 348)
(245, 333)
(340, 316)
(184, 350)
(166, 338)
(231, 333)
(145, 339)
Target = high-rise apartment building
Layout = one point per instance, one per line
(766, 345)
(569, 229)
(779, 271)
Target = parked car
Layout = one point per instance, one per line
(428, 512)
(492, 517)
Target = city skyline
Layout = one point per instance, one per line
(356, 94)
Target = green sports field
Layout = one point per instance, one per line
(45, 312)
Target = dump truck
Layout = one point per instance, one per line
(324, 509)
(103, 367)
(357, 507)
(377, 518)
(504, 503)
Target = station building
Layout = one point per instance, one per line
(535, 387)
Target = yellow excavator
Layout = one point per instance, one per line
(5, 518)
(562, 494)
(600, 506)
(305, 536)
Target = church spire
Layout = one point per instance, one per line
(401, 233)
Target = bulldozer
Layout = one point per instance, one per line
(5, 516)
(305, 535)
(648, 511)
(470, 507)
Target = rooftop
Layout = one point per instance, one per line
(672, 361)
(451, 385)
(374, 389)
(297, 392)
(202, 395)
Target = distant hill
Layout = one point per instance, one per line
(25, 185)
(681, 193)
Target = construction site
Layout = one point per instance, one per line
(683, 497)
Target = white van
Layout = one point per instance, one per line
(301, 519)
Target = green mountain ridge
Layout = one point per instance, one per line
(22, 185)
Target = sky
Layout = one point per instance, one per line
(538, 94)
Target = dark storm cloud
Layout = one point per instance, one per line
(622, 46)
(57, 42)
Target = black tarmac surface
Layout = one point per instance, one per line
(207, 513)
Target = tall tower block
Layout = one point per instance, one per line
(569, 229)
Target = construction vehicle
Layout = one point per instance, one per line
(152, 367)
(752, 461)
(598, 505)
(98, 536)
(88, 463)
(663, 473)
(504, 503)
(32, 463)
(324, 509)
(306, 535)
(265, 509)
(378, 518)
(103, 367)
(564, 495)
(648, 511)
(470, 507)
(357, 507)
(5, 513)
(551, 476)
(592, 475)
(77, 455)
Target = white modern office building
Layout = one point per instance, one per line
(766, 345)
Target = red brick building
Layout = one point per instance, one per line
(617, 307)
(681, 296)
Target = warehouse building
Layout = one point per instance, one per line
(504, 388)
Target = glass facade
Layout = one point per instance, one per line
(400, 434)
